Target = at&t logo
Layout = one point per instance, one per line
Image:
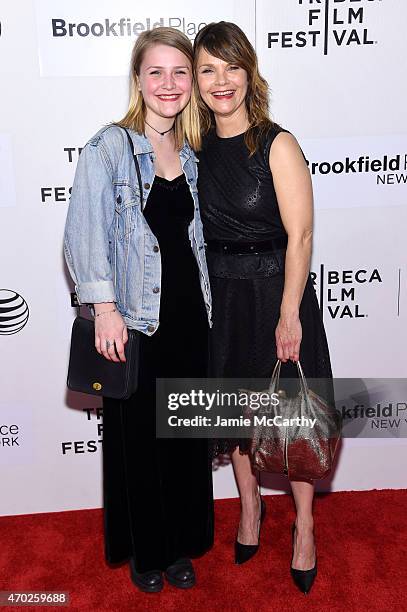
(14, 312)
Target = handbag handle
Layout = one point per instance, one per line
(140, 184)
(275, 378)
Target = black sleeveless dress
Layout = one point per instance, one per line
(158, 500)
(239, 204)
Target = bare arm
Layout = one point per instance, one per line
(293, 187)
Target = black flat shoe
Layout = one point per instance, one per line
(304, 579)
(181, 574)
(244, 552)
(148, 582)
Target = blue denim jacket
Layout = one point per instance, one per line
(111, 252)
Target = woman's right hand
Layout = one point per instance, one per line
(110, 332)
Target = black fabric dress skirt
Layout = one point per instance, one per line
(246, 293)
(239, 205)
(158, 500)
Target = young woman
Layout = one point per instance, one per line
(257, 210)
(141, 263)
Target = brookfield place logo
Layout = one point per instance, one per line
(327, 24)
(14, 312)
(377, 420)
(9, 435)
(387, 169)
(122, 27)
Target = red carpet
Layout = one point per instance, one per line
(361, 542)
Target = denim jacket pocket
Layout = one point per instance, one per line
(127, 202)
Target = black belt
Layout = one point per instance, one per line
(242, 248)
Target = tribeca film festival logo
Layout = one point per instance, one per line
(80, 447)
(14, 312)
(61, 194)
(123, 27)
(338, 290)
(328, 22)
(387, 170)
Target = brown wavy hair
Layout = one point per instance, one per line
(226, 41)
(187, 121)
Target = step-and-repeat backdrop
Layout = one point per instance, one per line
(335, 69)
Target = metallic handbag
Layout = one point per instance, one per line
(299, 450)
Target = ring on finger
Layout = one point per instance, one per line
(109, 344)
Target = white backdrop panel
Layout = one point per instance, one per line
(58, 91)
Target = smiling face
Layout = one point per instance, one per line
(165, 81)
(223, 86)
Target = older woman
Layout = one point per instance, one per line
(257, 210)
(137, 254)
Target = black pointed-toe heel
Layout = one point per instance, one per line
(244, 552)
(304, 579)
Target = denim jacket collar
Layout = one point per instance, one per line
(121, 263)
(186, 153)
(141, 143)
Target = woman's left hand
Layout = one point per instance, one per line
(288, 338)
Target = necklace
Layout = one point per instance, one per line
(162, 134)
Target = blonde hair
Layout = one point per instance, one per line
(186, 125)
(229, 43)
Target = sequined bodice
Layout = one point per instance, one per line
(236, 192)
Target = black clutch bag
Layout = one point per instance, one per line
(90, 372)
